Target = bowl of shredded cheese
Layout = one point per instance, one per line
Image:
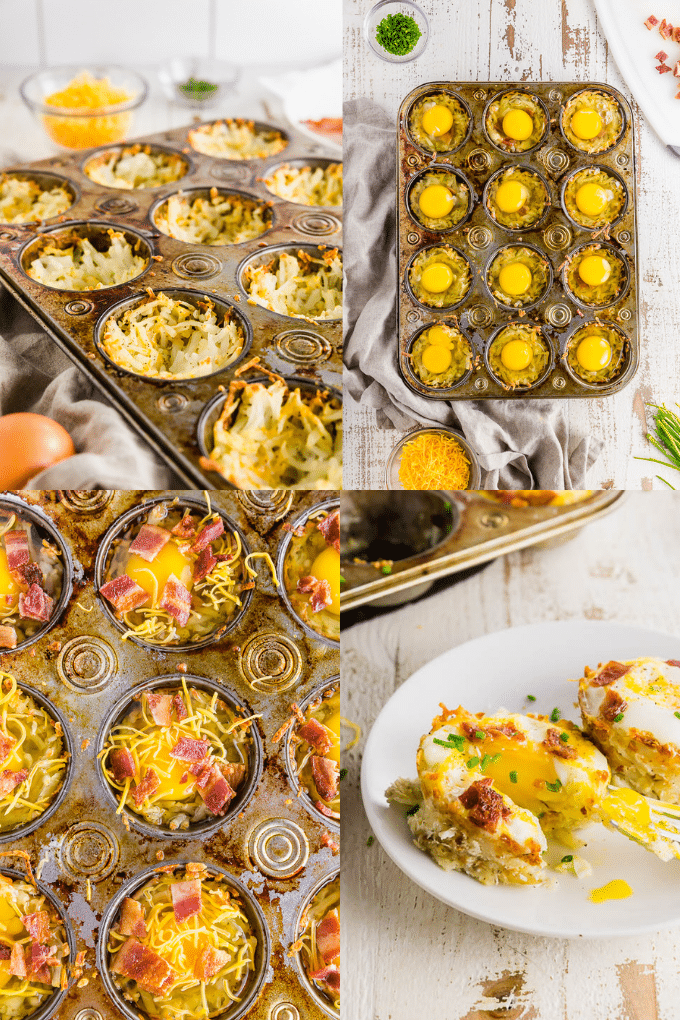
(80, 107)
(433, 458)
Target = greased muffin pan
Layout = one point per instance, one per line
(468, 147)
(166, 412)
(271, 842)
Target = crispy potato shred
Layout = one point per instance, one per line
(135, 166)
(214, 219)
(76, 264)
(24, 201)
(307, 185)
(302, 286)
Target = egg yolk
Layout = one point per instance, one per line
(594, 353)
(594, 269)
(436, 201)
(439, 335)
(531, 767)
(8, 585)
(437, 278)
(326, 567)
(170, 771)
(152, 576)
(516, 355)
(515, 278)
(511, 196)
(591, 199)
(436, 358)
(615, 890)
(10, 922)
(586, 124)
(437, 120)
(518, 125)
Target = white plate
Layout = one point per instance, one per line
(498, 671)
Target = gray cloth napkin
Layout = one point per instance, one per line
(521, 444)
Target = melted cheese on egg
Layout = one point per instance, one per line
(170, 771)
(8, 585)
(152, 576)
(10, 922)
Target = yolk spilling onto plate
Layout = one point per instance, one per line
(516, 355)
(437, 120)
(436, 358)
(518, 125)
(531, 767)
(326, 567)
(8, 585)
(436, 201)
(586, 124)
(594, 353)
(617, 889)
(515, 278)
(594, 269)
(592, 199)
(149, 575)
(511, 196)
(437, 278)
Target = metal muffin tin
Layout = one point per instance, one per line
(165, 413)
(444, 533)
(85, 855)
(478, 237)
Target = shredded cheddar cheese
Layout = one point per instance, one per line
(434, 461)
(83, 94)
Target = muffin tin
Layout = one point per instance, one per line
(479, 237)
(165, 412)
(273, 843)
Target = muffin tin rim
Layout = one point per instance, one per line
(598, 87)
(439, 153)
(317, 692)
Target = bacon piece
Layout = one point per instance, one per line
(320, 592)
(554, 743)
(142, 789)
(41, 961)
(233, 772)
(328, 936)
(471, 732)
(665, 29)
(651, 22)
(5, 952)
(673, 662)
(507, 731)
(36, 604)
(611, 672)
(203, 771)
(37, 925)
(141, 964)
(149, 542)
(132, 919)
(208, 533)
(612, 706)
(330, 529)
(209, 962)
(10, 780)
(205, 561)
(485, 805)
(676, 34)
(176, 600)
(124, 594)
(8, 637)
(189, 749)
(184, 528)
(676, 69)
(217, 793)
(663, 68)
(30, 573)
(122, 764)
(316, 735)
(7, 744)
(180, 707)
(16, 547)
(17, 961)
(329, 976)
(186, 899)
(325, 810)
(661, 56)
(328, 127)
(160, 706)
(326, 775)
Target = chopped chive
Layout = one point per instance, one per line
(554, 787)
(386, 569)
(370, 841)
(555, 715)
(457, 739)
(619, 717)
(343, 773)
(531, 697)
(413, 810)
(513, 777)
(677, 715)
(488, 759)
(447, 506)
(342, 579)
(564, 737)
(445, 743)
(472, 763)
(398, 33)
(567, 859)
(480, 734)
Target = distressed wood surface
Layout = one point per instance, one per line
(525, 40)
(405, 955)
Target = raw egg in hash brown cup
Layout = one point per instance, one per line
(440, 199)
(518, 276)
(596, 275)
(592, 121)
(439, 356)
(594, 197)
(597, 353)
(518, 356)
(439, 276)
(516, 121)
(308, 562)
(516, 197)
(439, 122)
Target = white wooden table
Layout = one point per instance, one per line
(525, 40)
(405, 955)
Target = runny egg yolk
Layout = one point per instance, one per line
(437, 278)
(617, 889)
(627, 805)
(326, 567)
(586, 124)
(521, 772)
(511, 196)
(8, 585)
(170, 771)
(518, 125)
(516, 355)
(154, 574)
(437, 120)
(439, 335)
(515, 278)
(591, 199)
(436, 201)
(436, 358)
(594, 269)
(593, 353)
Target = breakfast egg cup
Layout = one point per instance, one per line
(322, 705)
(440, 142)
(524, 269)
(527, 204)
(459, 271)
(602, 203)
(455, 200)
(461, 355)
(527, 118)
(299, 554)
(619, 347)
(599, 117)
(323, 900)
(535, 347)
(598, 293)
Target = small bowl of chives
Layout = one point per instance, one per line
(396, 30)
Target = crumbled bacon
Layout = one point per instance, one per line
(160, 706)
(507, 731)
(473, 732)
(612, 706)
(17, 961)
(205, 561)
(485, 805)
(217, 793)
(329, 976)
(142, 789)
(665, 29)
(208, 533)
(209, 962)
(37, 925)
(673, 662)
(30, 573)
(132, 919)
(328, 937)
(124, 594)
(5, 952)
(663, 68)
(180, 707)
(149, 542)
(661, 56)
(676, 69)
(316, 735)
(10, 780)
(676, 34)
(186, 527)
(326, 775)
(611, 672)
(7, 744)
(233, 772)
(554, 743)
(16, 547)
(141, 964)
(36, 604)
(203, 771)
(186, 899)
(320, 592)
(176, 600)
(330, 529)
(8, 637)
(325, 810)
(651, 22)
(189, 749)
(122, 764)
(41, 961)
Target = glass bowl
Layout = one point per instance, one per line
(81, 127)
(380, 11)
(197, 83)
(394, 459)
